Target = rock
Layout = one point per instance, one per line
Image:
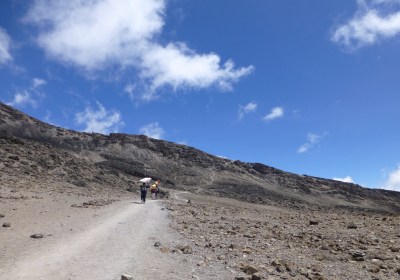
(313, 223)
(352, 226)
(256, 276)
(395, 249)
(249, 269)
(2, 215)
(165, 250)
(240, 277)
(358, 256)
(7, 225)
(37, 235)
(157, 244)
(14, 158)
(126, 277)
(186, 249)
(247, 251)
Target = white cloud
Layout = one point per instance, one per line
(249, 108)
(101, 121)
(36, 82)
(373, 22)
(29, 96)
(94, 35)
(346, 179)
(152, 130)
(23, 98)
(275, 113)
(5, 44)
(313, 139)
(393, 182)
(130, 90)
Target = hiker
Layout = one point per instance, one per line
(153, 189)
(143, 192)
(157, 188)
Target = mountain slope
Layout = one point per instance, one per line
(38, 150)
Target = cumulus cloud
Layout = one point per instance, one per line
(313, 139)
(275, 113)
(5, 44)
(346, 179)
(100, 120)
(374, 21)
(393, 182)
(28, 96)
(93, 35)
(152, 130)
(249, 108)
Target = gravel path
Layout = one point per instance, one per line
(96, 244)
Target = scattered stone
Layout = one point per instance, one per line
(256, 276)
(358, 256)
(395, 249)
(7, 225)
(165, 250)
(37, 235)
(14, 158)
(249, 269)
(352, 226)
(2, 215)
(186, 249)
(157, 244)
(247, 251)
(313, 223)
(126, 277)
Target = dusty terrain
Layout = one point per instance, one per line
(268, 242)
(79, 240)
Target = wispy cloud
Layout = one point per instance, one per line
(130, 90)
(374, 21)
(313, 139)
(5, 45)
(100, 120)
(275, 113)
(36, 82)
(346, 179)
(28, 96)
(393, 181)
(153, 130)
(249, 108)
(93, 35)
(23, 98)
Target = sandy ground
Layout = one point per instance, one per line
(88, 243)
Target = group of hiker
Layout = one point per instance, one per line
(154, 189)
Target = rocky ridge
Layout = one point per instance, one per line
(34, 148)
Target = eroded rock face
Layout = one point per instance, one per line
(32, 148)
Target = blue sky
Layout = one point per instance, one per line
(310, 87)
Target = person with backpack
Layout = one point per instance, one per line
(143, 192)
(153, 190)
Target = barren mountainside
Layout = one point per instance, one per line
(39, 151)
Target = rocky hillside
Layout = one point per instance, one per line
(39, 151)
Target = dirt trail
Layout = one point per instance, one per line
(120, 239)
